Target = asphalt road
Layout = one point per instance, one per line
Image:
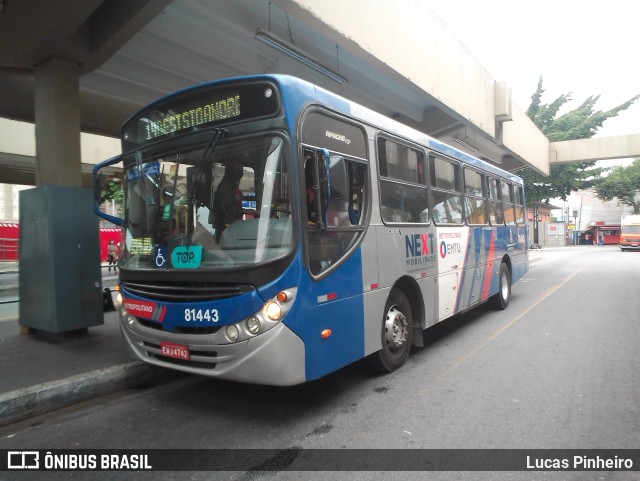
(557, 369)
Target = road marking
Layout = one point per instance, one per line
(497, 333)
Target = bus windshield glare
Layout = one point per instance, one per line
(207, 206)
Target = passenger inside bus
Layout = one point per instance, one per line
(227, 200)
(311, 191)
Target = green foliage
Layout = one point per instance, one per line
(580, 123)
(622, 183)
(562, 180)
(112, 191)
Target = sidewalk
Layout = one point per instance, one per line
(39, 374)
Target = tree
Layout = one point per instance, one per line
(581, 123)
(112, 192)
(622, 183)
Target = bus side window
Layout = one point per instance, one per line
(312, 189)
(445, 191)
(403, 189)
(344, 205)
(475, 195)
(496, 213)
(519, 200)
(507, 200)
(357, 183)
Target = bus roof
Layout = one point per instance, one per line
(306, 92)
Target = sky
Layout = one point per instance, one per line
(582, 47)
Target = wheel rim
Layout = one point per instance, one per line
(504, 286)
(396, 329)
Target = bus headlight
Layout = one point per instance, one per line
(232, 333)
(269, 316)
(273, 311)
(253, 325)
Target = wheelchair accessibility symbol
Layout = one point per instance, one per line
(160, 255)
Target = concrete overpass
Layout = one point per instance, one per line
(597, 148)
(92, 63)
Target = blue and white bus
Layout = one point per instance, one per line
(275, 232)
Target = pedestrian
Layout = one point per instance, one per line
(112, 255)
(601, 240)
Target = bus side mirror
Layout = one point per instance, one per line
(99, 185)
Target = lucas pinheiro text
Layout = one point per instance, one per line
(579, 463)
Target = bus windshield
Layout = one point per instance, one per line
(213, 205)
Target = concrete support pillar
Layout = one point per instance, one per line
(60, 280)
(58, 159)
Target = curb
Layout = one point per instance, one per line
(24, 403)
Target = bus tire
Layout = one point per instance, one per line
(395, 335)
(500, 300)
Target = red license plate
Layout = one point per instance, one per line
(177, 351)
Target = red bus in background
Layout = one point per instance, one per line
(9, 241)
(10, 237)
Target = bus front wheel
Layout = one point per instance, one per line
(396, 333)
(501, 299)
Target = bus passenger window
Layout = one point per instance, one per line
(403, 190)
(519, 193)
(507, 200)
(445, 192)
(496, 213)
(356, 192)
(311, 189)
(475, 203)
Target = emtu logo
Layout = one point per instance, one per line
(452, 248)
(23, 460)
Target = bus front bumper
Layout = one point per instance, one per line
(276, 357)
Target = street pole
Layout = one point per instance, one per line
(535, 223)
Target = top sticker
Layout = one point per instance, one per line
(186, 257)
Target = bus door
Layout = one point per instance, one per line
(335, 198)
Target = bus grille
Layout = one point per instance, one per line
(185, 292)
(178, 329)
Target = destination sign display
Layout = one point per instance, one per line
(199, 108)
(211, 111)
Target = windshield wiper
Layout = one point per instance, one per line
(192, 193)
(141, 175)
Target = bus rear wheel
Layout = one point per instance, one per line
(501, 299)
(396, 333)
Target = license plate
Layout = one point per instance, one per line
(177, 351)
